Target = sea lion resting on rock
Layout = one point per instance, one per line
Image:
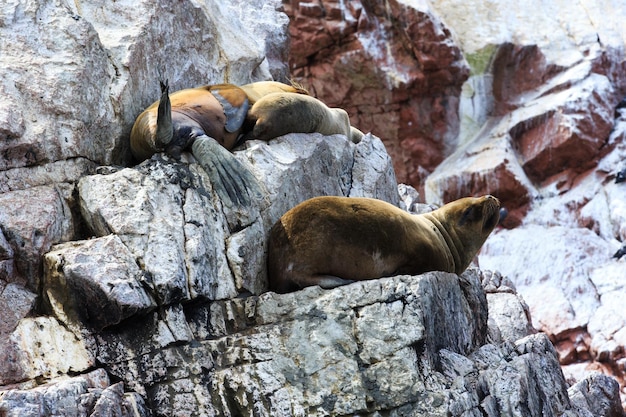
(208, 120)
(277, 114)
(332, 241)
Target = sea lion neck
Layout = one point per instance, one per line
(450, 241)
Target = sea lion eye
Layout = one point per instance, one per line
(468, 216)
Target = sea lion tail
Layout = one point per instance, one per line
(165, 130)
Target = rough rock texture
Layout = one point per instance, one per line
(163, 237)
(539, 125)
(90, 394)
(74, 77)
(152, 299)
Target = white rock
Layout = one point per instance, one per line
(43, 348)
(555, 281)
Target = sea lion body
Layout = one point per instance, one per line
(280, 113)
(255, 91)
(331, 241)
(217, 111)
(208, 121)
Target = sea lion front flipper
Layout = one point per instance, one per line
(355, 135)
(231, 179)
(235, 103)
(330, 281)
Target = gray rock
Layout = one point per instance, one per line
(599, 394)
(192, 246)
(88, 395)
(31, 221)
(42, 348)
(396, 346)
(97, 281)
(509, 318)
(316, 351)
(15, 303)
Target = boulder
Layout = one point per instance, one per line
(42, 348)
(90, 394)
(97, 280)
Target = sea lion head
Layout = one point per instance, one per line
(468, 221)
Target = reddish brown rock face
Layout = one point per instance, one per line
(396, 71)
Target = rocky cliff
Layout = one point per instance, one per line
(539, 123)
(131, 290)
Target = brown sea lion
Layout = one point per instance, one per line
(277, 114)
(332, 241)
(208, 121)
(255, 91)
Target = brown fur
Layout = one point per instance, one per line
(255, 91)
(199, 109)
(280, 113)
(330, 241)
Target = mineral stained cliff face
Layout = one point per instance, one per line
(394, 66)
(131, 290)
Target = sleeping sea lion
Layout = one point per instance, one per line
(277, 114)
(332, 241)
(207, 120)
(255, 91)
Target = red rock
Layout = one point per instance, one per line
(310, 9)
(568, 131)
(394, 68)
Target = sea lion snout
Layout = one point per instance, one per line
(491, 213)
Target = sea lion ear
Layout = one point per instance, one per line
(235, 103)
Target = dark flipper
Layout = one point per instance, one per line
(235, 104)
(231, 179)
(165, 129)
(621, 252)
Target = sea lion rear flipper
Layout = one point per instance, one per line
(235, 103)
(165, 130)
(231, 179)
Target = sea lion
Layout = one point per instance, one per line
(255, 91)
(332, 241)
(280, 113)
(207, 120)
